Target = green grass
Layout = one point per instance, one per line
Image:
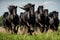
(1, 21)
(49, 36)
(43, 36)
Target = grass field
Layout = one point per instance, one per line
(41, 36)
(1, 21)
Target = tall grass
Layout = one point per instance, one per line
(1, 21)
(42, 36)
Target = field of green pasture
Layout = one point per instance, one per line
(41, 36)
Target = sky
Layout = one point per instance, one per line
(51, 5)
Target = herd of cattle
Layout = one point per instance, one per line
(30, 20)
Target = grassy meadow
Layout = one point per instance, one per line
(42, 36)
(1, 21)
